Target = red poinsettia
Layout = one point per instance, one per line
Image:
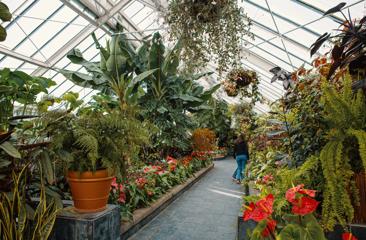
(348, 236)
(260, 210)
(291, 193)
(270, 228)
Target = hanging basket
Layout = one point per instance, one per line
(205, 10)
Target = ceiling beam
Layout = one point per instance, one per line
(24, 58)
(83, 34)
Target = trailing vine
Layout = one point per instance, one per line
(210, 30)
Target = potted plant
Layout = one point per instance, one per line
(92, 152)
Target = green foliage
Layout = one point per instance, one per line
(217, 118)
(169, 95)
(97, 140)
(208, 32)
(5, 16)
(15, 222)
(21, 88)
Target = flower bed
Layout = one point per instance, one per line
(149, 183)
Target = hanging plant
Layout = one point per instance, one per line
(210, 30)
(244, 82)
(5, 16)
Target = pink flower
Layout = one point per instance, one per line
(122, 197)
(141, 182)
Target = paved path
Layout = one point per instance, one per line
(207, 211)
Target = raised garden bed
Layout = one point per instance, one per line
(142, 216)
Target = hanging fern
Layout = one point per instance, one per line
(344, 114)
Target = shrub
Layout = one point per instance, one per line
(203, 139)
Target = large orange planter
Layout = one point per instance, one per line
(89, 190)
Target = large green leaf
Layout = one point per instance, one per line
(2, 34)
(198, 76)
(5, 14)
(171, 61)
(208, 94)
(141, 77)
(4, 163)
(46, 165)
(83, 80)
(188, 98)
(290, 232)
(10, 149)
(75, 56)
(156, 57)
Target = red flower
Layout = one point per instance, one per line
(260, 210)
(150, 193)
(122, 197)
(146, 169)
(271, 226)
(114, 183)
(170, 159)
(291, 193)
(172, 167)
(304, 205)
(141, 182)
(348, 236)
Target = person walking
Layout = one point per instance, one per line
(241, 155)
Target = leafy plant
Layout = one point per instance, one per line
(244, 82)
(113, 74)
(346, 120)
(350, 43)
(203, 139)
(15, 221)
(97, 140)
(217, 118)
(170, 95)
(5, 16)
(19, 88)
(300, 224)
(209, 30)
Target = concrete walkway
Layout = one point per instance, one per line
(207, 211)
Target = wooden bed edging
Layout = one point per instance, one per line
(143, 216)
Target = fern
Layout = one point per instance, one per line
(344, 114)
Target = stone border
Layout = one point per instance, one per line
(143, 216)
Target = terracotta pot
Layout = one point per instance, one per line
(89, 190)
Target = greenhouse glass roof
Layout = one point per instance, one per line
(42, 32)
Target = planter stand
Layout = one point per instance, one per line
(104, 225)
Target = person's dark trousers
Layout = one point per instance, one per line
(241, 161)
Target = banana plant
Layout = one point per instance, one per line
(115, 73)
(169, 94)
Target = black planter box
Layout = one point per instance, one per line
(358, 231)
(104, 225)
